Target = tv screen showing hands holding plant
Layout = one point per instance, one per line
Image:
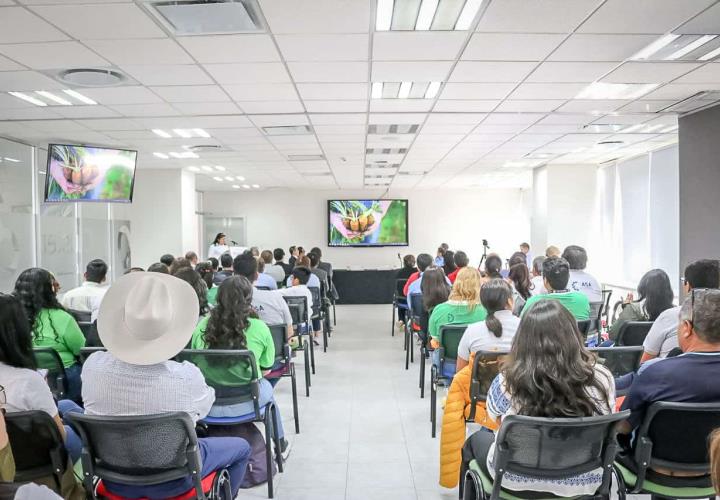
(368, 223)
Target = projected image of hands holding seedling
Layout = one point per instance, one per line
(368, 222)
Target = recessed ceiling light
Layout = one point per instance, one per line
(80, 97)
(184, 154)
(201, 133)
(432, 90)
(377, 90)
(161, 133)
(632, 128)
(288, 130)
(256, 186)
(426, 14)
(383, 20)
(229, 178)
(161, 155)
(690, 47)
(240, 177)
(468, 13)
(30, 99)
(220, 168)
(219, 179)
(655, 46)
(53, 97)
(12, 160)
(207, 168)
(246, 186)
(605, 90)
(404, 91)
(235, 186)
(182, 133)
(710, 55)
(194, 169)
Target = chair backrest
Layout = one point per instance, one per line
(266, 288)
(37, 445)
(317, 299)
(486, 366)
(619, 360)
(633, 332)
(556, 447)
(80, 316)
(232, 373)
(279, 336)
(606, 296)
(48, 359)
(450, 336)
(675, 435)
(85, 352)
(399, 287)
(596, 309)
(584, 326)
(139, 450)
(298, 308)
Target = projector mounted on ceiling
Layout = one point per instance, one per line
(208, 17)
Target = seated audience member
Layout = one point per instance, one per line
(321, 274)
(233, 324)
(133, 270)
(493, 267)
(263, 279)
(87, 297)
(497, 330)
(715, 460)
(214, 263)
(325, 266)
(416, 285)
(204, 269)
(167, 259)
(192, 278)
(226, 262)
(435, 291)
(300, 253)
(158, 267)
(538, 286)
(304, 261)
(440, 255)
(25, 387)
(403, 274)
(688, 378)
(662, 337)
(279, 255)
(552, 251)
(424, 260)
(145, 320)
(580, 281)
(255, 251)
(180, 264)
(655, 295)
(548, 358)
(461, 261)
(556, 273)
(293, 257)
(51, 325)
(462, 306)
(298, 288)
(449, 263)
(517, 258)
(269, 304)
(525, 249)
(520, 281)
(192, 257)
(275, 271)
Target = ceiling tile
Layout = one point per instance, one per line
(317, 16)
(27, 80)
(533, 91)
(400, 105)
(252, 107)
(417, 45)
(231, 48)
(191, 93)
(279, 120)
(476, 90)
(122, 95)
(328, 91)
(207, 108)
(248, 73)
(8, 65)
(710, 73)
(52, 55)
(677, 91)
(512, 118)
(593, 106)
(529, 106)
(101, 22)
(350, 47)
(339, 119)
(159, 51)
(17, 25)
(336, 106)
(177, 74)
(649, 72)
(646, 106)
(571, 72)
(705, 24)
(329, 71)
(465, 105)
(537, 16)
(262, 92)
(86, 112)
(474, 71)
(642, 16)
(582, 47)
(510, 46)
(132, 110)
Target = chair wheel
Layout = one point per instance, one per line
(472, 489)
(221, 487)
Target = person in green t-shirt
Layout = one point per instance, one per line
(233, 324)
(556, 274)
(52, 326)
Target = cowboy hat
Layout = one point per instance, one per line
(147, 318)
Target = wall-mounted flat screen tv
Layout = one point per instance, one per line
(88, 173)
(367, 223)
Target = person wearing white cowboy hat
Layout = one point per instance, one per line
(145, 319)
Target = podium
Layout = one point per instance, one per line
(235, 251)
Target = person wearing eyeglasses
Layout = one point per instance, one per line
(663, 336)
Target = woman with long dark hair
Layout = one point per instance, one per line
(51, 325)
(519, 277)
(435, 291)
(234, 324)
(193, 278)
(404, 273)
(497, 330)
(549, 373)
(26, 388)
(493, 267)
(655, 295)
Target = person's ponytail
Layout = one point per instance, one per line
(494, 296)
(493, 324)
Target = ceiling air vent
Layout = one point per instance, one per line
(386, 151)
(208, 17)
(200, 148)
(288, 130)
(392, 129)
(305, 157)
(91, 77)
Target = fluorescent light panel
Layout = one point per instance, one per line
(377, 90)
(467, 15)
(180, 132)
(426, 15)
(53, 97)
(194, 169)
(383, 19)
(161, 155)
(432, 90)
(710, 55)
(690, 47)
(201, 133)
(404, 91)
(207, 168)
(161, 133)
(27, 98)
(77, 95)
(654, 47)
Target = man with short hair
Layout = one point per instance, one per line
(192, 257)
(87, 297)
(552, 251)
(293, 257)
(300, 277)
(538, 287)
(167, 259)
(275, 271)
(226, 262)
(158, 267)
(663, 335)
(525, 249)
(263, 279)
(461, 260)
(581, 281)
(556, 273)
(279, 255)
(423, 261)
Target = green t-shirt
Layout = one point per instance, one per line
(453, 313)
(58, 329)
(259, 341)
(212, 295)
(575, 302)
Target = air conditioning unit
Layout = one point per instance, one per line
(208, 17)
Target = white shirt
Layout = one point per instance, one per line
(26, 390)
(271, 307)
(299, 291)
(217, 250)
(477, 337)
(313, 281)
(276, 272)
(113, 387)
(662, 337)
(580, 281)
(86, 297)
(538, 286)
(264, 279)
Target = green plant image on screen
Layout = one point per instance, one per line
(78, 173)
(368, 223)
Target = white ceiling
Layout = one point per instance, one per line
(507, 101)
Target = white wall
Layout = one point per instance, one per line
(280, 218)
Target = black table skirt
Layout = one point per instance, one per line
(364, 287)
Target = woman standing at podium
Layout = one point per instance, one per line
(218, 246)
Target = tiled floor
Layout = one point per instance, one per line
(364, 431)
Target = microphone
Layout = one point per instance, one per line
(235, 243)
(400, 259)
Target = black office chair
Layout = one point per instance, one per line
(450, 336)
(318, 312)
(399, 301)
(37, 446)
(584, 326)
(545, 448)
(659, 443)
(144, 450)
(486, 366)
(633, 333)
(85, 352)
(301, 320)
(266, 288)
(48, 359)
(596, 311)
(417, 317)
(283, 353)
(81, 316)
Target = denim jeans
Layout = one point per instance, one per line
(74, 383)
(237, 410)
(73, 443)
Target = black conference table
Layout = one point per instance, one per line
(367, 286)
